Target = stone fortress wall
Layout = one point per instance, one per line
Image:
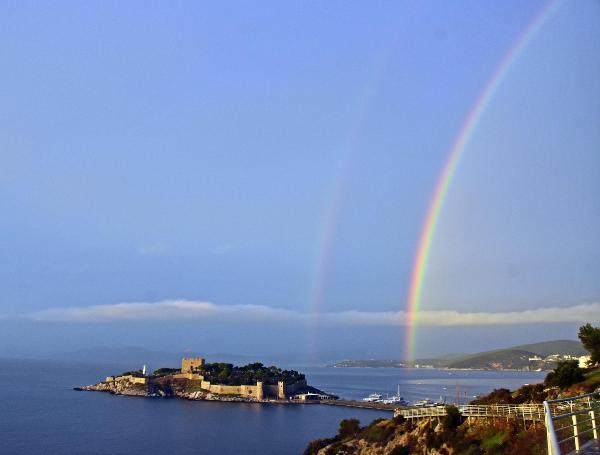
(128, 378)
(190, 367)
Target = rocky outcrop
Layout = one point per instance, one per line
(159, 388)
(118, 388)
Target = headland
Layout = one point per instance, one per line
(198, 380)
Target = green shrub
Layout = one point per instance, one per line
(565, 374)
(452, 419)
(318, 444)
(348, 428)
(398, 419)
(165, 371)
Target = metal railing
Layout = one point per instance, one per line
(580, 428)
(521, 411)
(426, 411)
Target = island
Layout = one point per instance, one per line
(198, 380)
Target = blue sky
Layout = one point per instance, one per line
(197, 151)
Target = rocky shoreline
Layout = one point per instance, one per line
(137, 391)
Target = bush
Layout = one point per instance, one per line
(379, 433)
(398, 419)
(497, 396)
(348, 428)
(452, 419)
(317, 444)
(565, 374)
(165, 371)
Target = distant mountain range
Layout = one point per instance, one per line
(527, 356)
(136, 356)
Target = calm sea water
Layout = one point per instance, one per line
(41, 414)
(417, 384)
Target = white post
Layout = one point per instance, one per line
(553, 447)
(575, 432)
(593, 419)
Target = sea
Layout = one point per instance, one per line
(40, 413)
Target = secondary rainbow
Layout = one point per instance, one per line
(436, 204)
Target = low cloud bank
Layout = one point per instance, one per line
(186, 309)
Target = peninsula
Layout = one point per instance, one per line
(198, 380)
(543, 356)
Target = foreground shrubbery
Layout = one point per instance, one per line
(565, 374)
(451, 435)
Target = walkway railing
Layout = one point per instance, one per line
(571, 423)
(521, 411)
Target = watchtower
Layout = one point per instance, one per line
(189, 365)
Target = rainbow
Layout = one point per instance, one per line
(436, 204)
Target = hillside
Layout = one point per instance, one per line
(562, 347)
(453, 433)
(515, 357)
(501, 359)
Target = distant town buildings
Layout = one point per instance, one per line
(550, 361)
(583, 360)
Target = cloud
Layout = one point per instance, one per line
(187, 309)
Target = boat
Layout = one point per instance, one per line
(424, 403)
(373, 398)
(396, 399)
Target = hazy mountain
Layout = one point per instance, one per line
(563, 347)
(514, 357)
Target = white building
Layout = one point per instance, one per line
(583, 360)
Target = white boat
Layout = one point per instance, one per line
(373, 398)
(424, 403)
(396, 399)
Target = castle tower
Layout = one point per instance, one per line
(259, 390)
(189, 364)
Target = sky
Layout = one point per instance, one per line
(253, 178)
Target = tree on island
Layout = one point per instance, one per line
(590, 338)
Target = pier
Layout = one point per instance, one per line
(361, 404)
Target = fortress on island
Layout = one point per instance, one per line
(253, 381)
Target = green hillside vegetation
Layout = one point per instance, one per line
(453, 434)
(228, 374)
(514, 357)
(507, 358)
(562, 347)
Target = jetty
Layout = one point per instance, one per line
(361, 404)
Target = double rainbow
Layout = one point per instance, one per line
(436, 204)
